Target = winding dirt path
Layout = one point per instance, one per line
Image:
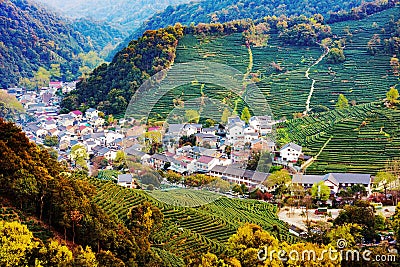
(307, 75)
(245, 76)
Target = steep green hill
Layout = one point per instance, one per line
(31, 37)
(362, 77)
(102, 35)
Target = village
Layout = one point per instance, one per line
(218, 151)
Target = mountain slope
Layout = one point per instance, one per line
(294, 48)
(125, 14)
(31, 37)
(209, 11)
(110, 87)
(103, 35)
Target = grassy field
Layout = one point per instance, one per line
(203, 228)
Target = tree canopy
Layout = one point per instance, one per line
(392, 95)
(320, 191)
(245, 116)
(342, 102)
(278, 178)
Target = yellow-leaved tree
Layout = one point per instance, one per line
(16, 243)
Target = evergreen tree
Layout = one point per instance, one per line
(245, 115)
(392, 95)
(342, 102)
(225, 115)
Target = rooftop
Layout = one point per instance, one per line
(293, 146)
(125, 178)
(205, 159)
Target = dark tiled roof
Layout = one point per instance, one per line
(260, 176)
(218, 168)
(351, 178)
(160, 157)
(235, 171)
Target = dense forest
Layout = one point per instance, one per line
(32, 37)
(110, 87)
(102, 35)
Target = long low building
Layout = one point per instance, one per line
(240, 176)
(335, 181)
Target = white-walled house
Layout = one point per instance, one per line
(262, 124)
(290, 152)
(233, 132)
(235, 120)
(76, 114)
(112, 136)
(97, 121)
(211, 130)
(49, 125)
(91, 113)
(239, 176)
(205, 163)
(110, 155)
(66, 120)
(248, 137)
(125, 180)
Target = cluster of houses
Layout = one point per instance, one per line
(220, 151)
(77, 128)
(42, 119)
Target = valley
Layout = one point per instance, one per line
(212, 123)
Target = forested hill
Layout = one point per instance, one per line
(210, 11)
(61, 204)
(127, 15)
(110, 87)
(102, 35)
(32, 37)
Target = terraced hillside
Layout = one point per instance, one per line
(191, 230)
(362, 77)
(358, 139)
(184, 197)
